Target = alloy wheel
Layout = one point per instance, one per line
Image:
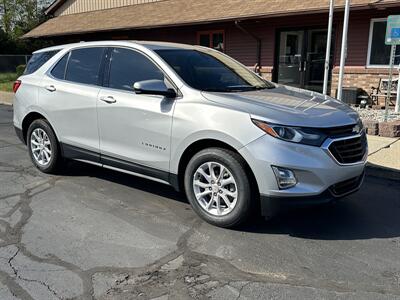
(41, 147)
(215, 188)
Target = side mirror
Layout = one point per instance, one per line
(153, 87)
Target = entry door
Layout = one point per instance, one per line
(291, 57)
(315, 60)
(301, 58)
(134, 129)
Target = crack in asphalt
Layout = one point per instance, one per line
(241, 290)
(154, 282)
(15, 270)
(15, 289)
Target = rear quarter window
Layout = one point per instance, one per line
(37, 60)
(59, 69)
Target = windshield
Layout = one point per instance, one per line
(209, 70)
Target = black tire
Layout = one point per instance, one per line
(55, 159)
(237, 167)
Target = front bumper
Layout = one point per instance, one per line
(317, 172)
(270, 205)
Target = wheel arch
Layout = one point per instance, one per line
(202, 144)
(27, 121)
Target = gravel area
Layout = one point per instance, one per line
(376, 114)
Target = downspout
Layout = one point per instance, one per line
(258, 40)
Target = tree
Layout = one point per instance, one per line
(17, 17)
(20, 16)
(6, 13)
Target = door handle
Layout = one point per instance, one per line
(50, 88)
(108, 99)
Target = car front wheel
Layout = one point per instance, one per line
(218, 187)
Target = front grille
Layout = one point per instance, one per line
(349, 151)
(346, 186)
(336, 132)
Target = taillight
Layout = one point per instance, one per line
(16, 85)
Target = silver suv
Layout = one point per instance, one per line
(193, 118)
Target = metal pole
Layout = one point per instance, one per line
(389, 87)
(397, 108)
(328, 48)
(343, 53)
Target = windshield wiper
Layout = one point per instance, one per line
(236, 88)
(220, 90)
(255, 87)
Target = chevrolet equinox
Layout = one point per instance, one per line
(193, 118)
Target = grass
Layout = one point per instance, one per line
(6, 81)
(6, 86)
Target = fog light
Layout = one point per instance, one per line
(285, 177)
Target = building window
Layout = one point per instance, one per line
(378, 51)
(214, 39)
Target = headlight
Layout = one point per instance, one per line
(308, 136)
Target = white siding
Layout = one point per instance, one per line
(78, 6)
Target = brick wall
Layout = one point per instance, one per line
(360, 77)
(266, 72)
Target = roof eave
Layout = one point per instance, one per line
(54, 6)
(250, 17)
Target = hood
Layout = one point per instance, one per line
(289, 106)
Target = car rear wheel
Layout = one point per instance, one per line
(43, 146)
(218, 187)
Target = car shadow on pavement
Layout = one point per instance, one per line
(76, 168)
(372, 212)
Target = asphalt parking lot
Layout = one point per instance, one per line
(90, 233)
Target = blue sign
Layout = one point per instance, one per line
(395, 34)
(393, 30)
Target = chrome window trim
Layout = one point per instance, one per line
(68, 53)
(107, 61)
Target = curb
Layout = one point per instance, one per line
(382, 172)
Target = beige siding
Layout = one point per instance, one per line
(78, 6)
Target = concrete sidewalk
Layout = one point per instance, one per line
(6, 98)
(384, 157)
(384, 152)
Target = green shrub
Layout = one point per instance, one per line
(6, 77)
(20, 70)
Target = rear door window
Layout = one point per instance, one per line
(129, 66)
(37, 60)
(84, 65)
